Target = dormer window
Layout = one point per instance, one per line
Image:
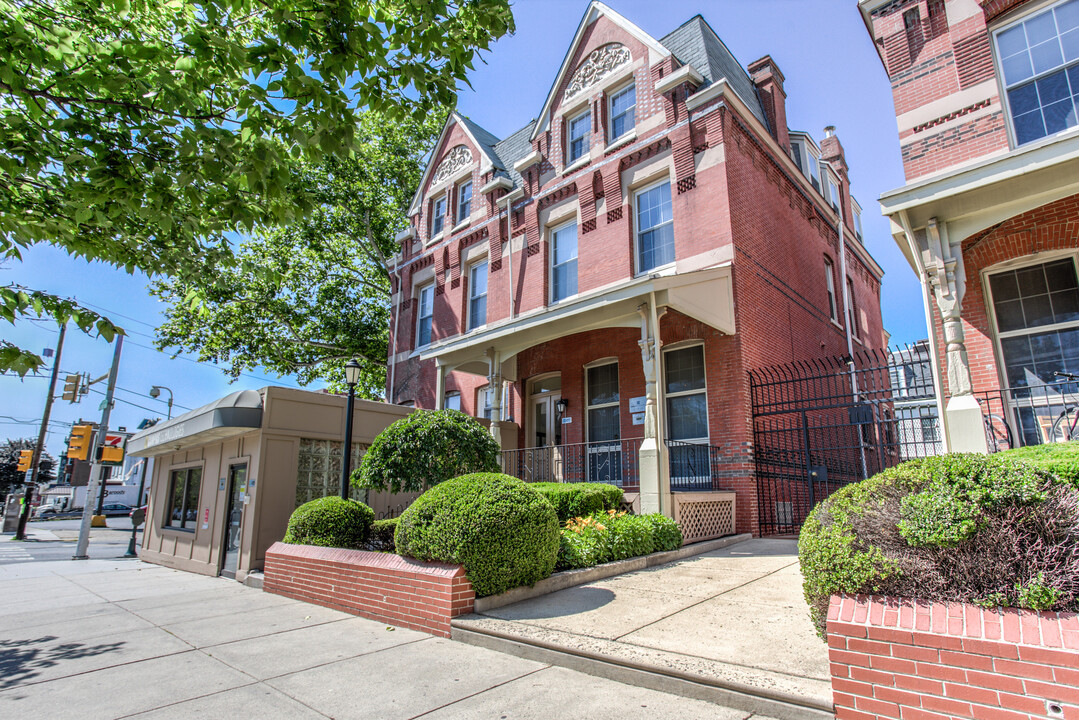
(623, 111)
(857, 213)
(580, 127)
(464, 201)
(832, 193)
(796, 152)
(1039, 59)
(438, 215)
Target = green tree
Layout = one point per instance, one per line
(10, 477)
(144, 133)
(307, 297)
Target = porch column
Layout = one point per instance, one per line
(494, 384)
(655, 493)
(440, 386)
(946, 279)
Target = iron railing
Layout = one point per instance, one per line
(696, 467)
(615, 462)
(1022, 416)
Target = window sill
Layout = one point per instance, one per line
(577, 164)
(432, 240)
(562, 301)
(657, 270)
(836, 323)
(478, 328)
(622, 141)
(188, 531)
(461, 225)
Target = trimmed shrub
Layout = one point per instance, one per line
(382, 535)
(989, 530)
(666, 535)
(1061, 459)
(424, 449)
(330, 522)
(502, 531)
(614, 535)
(573, 500)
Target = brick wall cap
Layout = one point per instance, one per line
(686, 73)
(364, 558)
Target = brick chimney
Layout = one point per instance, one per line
(769, 81)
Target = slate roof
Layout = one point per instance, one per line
(696, 43)
(512, 149)
(486, 140)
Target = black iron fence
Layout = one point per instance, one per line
(821, 424)
(695, 467)
(615, 462)
(1030, 415)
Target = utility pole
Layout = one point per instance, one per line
(95, 469)
(39, 449)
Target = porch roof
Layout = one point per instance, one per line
(706, 295)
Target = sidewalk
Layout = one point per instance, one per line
(121, 638)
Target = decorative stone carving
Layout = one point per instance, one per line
(600, 63)
(944, 269)
(456, 159)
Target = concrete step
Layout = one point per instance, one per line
(752, 690)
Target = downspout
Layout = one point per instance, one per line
(508, 200)
(908, 233)
(396, 329)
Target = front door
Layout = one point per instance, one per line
(545, 430)
(230, 550)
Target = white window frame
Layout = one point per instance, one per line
(683, 393)
(588, 407)
(852, 310)
(450, 398)
(637, 229)
(814, 165)
(829, 279)
(587, 137)
(484, 409)
(576, 259)
(799, 154)
(1003, 83)
(611, 137)
(830, 190)
(420, 316)
(435, 216)
(856, 212)
(461, 213)
(472, 297)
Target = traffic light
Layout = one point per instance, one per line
(71, 388)
(26, 460)
(110, 453)
(78, 446)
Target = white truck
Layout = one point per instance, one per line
(76, 500)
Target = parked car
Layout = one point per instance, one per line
(115, 509)
(44, 511)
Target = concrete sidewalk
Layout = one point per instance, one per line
(120, 638)
(732, 618)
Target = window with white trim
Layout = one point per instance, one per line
(602, 403)
(453, 401)
(578, 131)
(1039, 63)
(852, 309)
(183, 499)
(425, 314)
(485, 399)
(623, 109)
(464, 201)
(686, 393)
(655, 226)
(831, 193)
(477, 295)
(564, 262)
(813, 161)
(857, 213)
(438, 215)
(829, 279)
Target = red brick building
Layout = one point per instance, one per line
(986, 94)
(599, 282)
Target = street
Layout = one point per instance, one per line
(49, 540)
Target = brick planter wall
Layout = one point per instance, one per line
(389, 588)
(916, 660)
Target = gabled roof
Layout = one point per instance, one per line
(484, 141)
(696, 43)
(512, 149)
(594, 11)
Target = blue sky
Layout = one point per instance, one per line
(833, 77)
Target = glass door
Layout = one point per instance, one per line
(545, 429)
(604, 425)
(237, 484)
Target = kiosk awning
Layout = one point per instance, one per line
(233, 414)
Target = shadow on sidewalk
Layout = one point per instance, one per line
(23, 660)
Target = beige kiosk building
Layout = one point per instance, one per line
(227, 476)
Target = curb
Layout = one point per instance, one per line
(570, 578)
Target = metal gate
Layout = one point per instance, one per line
(821, 424)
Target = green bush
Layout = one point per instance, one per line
(330, 522)
(425, 448)
(382, 534)
(1061, 459)
(989, 530)
(572, 500)
(502, 531)
(666, 535)
(613, 535)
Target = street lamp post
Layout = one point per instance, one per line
(352, 376)
(155, 392)
(142, 486)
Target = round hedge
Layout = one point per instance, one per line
(502, 531)
(424, 449)
(988, 530)
(666, 535)
(573, 500)
(330, 522)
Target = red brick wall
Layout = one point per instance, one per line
(380, 586)
(915, 660)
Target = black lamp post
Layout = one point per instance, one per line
(352, 376)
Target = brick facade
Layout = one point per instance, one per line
(380, 586)
(737, 198)
(936, 661)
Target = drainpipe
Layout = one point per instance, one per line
(396, 329)
(508, 200)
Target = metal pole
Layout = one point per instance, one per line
(95, 470)
(346, 461)
(39, 449)
(134, 528)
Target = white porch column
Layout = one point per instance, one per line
(655, 480)
(494, 384)
(440, 386)
(947, 282)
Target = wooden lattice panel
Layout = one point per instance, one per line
(703, 516)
